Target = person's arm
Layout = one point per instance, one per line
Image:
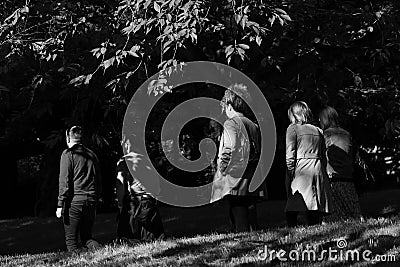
(65, 177)
(120, 185)
(326, 150)
(256, 144)
(98, 179)
(228, 146)
(291, 150)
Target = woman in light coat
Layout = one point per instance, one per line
(307, 182)
(238, 158)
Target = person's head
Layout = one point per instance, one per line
(74, 135)
(232, 102)
(299, 113)
(328, 118)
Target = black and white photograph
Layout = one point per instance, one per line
(199, 133)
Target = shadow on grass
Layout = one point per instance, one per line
(219, 251)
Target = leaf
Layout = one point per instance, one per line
(281, 21)
(272, 19)
(157, 7)
(244, 46)
(193, 36)
(87, 80)
(112, 82)
(77, 81)
(14, 17)
(258, 40)
(238, 18)
(24, 9)
(229, 50)
(286, 17)
(109, 62)
(128, 29)
(244, 21)
(135, 48)
(241, 52)
(134, 54)
(146, 5)
(281, 11)
(182, 32)
(95, 51)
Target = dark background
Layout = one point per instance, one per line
(77, 62)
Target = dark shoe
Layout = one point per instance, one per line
(92, 244)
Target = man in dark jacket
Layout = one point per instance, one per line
(79, 190)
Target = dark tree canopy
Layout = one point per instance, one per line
(65, 62)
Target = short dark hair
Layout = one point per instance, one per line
(299, 112)
(328, 117)
(75, 133)
(233, 97)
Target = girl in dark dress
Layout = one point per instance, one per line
(340, 167)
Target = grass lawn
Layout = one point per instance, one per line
(198, 236)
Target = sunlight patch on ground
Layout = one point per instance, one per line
(381, 236)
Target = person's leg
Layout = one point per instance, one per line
(253, 217)
(231, 217)
(123, 226)
(291, 218)
(88, 217)
(240, 213)
(155, 222)
(149, 218)
(71, 219)
(135, 225)
(314, 217)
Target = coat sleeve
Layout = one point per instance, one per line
(325, 153)
(228, 145)
(291, 150)
(65, 179)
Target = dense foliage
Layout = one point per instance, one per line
(64, 62)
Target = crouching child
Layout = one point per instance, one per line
(139, 217)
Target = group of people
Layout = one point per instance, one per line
(319, 163)
(80, 189)
(319, 178)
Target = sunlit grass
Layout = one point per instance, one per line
(233, 249)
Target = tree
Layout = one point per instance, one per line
(65, 62)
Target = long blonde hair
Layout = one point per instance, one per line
(300, 113)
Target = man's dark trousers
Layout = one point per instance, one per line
(78, 223)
